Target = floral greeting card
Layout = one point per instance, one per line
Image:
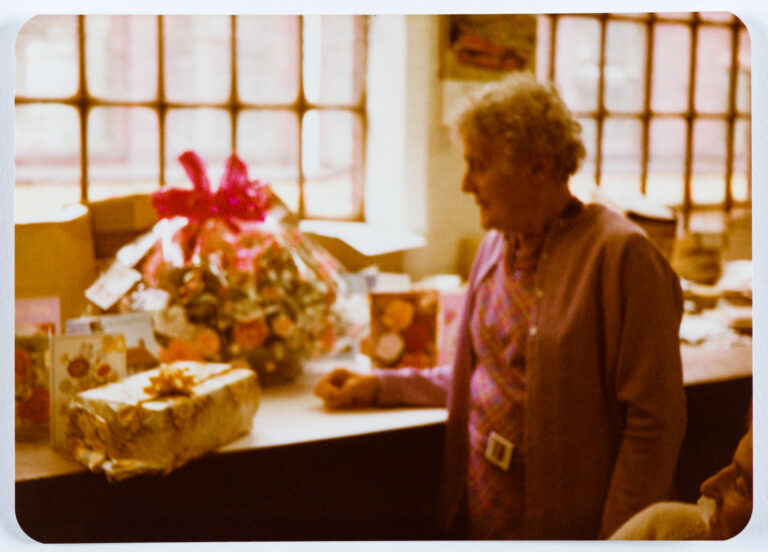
(31, 389)
(404, 329)
(81, 362)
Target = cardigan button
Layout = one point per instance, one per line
(533, 330)
(539, 293)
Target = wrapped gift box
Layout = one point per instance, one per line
(156, 421)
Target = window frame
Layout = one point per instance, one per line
(84, 102)
(690, 115)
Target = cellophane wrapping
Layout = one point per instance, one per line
(157, 420)
(229, 276)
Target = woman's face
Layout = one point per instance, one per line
(731, 488)
(510, 198)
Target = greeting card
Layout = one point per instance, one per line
(80, 362)
(404, 329)
(141, 347)
(31, 389)
(38, 315)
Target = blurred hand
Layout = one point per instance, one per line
(342, 389)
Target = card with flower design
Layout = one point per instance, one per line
(31, 389)
(403, 329)
(80, 362)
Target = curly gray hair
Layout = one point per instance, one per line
(528, 120)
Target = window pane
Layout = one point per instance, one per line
(713, 62)
(625, 66)
(123, 148)
(331, 162)
(722, 17)
(577, 69)
(46, 57)
(666, 163)
(671, 65)
(741, 161)
(621, 156)
(197, 58)
(743, 94)
(207, 132)
(268, 58)
(47, 141)
(708, 185)
(334, 59)
(622, 148)
(121, 56)
(268, 142)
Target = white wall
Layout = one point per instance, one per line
(414, 168)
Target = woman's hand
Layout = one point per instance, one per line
(342, 389)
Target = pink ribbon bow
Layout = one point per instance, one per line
(235, 199)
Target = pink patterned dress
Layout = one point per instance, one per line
(499, 327)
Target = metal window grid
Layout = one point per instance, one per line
(646, 115)
(83, 102)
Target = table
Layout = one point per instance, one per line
(307, 474)
(283, 481)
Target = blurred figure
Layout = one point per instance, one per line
(722, 512)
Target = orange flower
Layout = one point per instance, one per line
(35, 407)
(179, 349)
(398, 314)
(251, 333)
(282, 325)
(22, 365)
(78, 367)
(103, 370)
(271, 292)
(208, 342)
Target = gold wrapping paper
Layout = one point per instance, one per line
(156, 421)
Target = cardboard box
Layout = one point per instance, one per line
(56, 258)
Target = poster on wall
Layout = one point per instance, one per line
(480, 48)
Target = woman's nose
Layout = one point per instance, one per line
(467, 186)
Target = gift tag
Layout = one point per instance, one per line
(112, 285)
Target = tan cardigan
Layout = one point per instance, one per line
(605, 411)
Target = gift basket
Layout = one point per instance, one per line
(228, 276)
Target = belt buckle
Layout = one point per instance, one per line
(498, 450)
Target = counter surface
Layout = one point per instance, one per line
(293, 415)
(287, 415)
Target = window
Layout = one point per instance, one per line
(105, 105)
(664, 100)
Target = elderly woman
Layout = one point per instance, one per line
(566, 404)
